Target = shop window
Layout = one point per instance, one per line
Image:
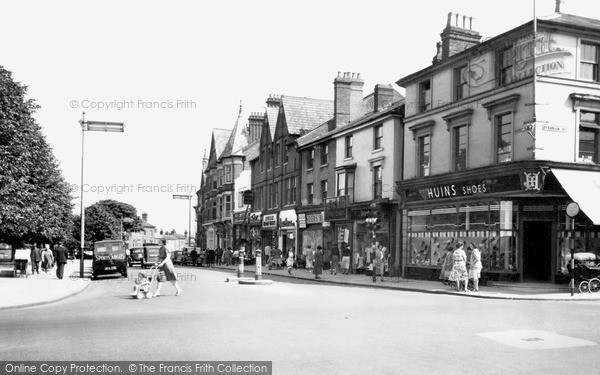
(459, 152)
(423, 156)
(503, 137)
(589, 62)
(589, 125)
(425, 95)
(310, 192)
(460, 83)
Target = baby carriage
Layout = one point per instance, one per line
(143, 282)
(276, 263)
(586, 279)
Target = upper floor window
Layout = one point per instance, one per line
(377, 137)
(310, 159)
(286, 155)
(269, 157)
(323, 190)
(288, 189)
(425, 95)
(310, 192)
(589, 61)
(228, 174)
(240, 200)
(459, 153)
(276, 194)
(227, 205)
(345, 184)
(589, 126)
(504, 138)
(263, 157)
(341, 184)
(460, 83)
(423, 155)
(505, 65)
(221, 177)
(293, 192)
(324, 154)
(277, 152)
(348, 146)
(377, 182)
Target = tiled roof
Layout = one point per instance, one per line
(237, 139)
(221, 136)
(572, 21)
(146, 224)
(252, 150)
(304, 114)
(313, 135)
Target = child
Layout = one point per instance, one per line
(290, 262)
(142, 284)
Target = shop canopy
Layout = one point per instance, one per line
(584, 188)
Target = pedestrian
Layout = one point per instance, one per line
(309, 256)
(62, 256)
(194, 257)
(476, 266)
(289, 262)
(335, 259)
(47, 260)
(447, 265)
(227, 256)
(210, 258)
(267, 254)
(219, 255)
(459, 268)
(346, 254)
(167, 270)
(36, 256)
(318, 265)
(378, 263)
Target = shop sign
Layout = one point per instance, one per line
(269, 221)
(239, 217)
(533, 180)
(314, 218)
(466, 189)
(302, 220)
(255, 218)
(336, 208)
(287, 219)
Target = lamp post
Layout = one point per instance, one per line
(188, 197)
(572, 211)
(98, 126)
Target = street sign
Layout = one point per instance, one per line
(248, 197)
(176, 196)
(572, 209)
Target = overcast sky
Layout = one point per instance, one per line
(172, 71)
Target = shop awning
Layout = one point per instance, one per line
(584, 188)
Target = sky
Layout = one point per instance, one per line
(172, 71)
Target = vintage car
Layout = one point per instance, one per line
(178, 257)
(7, 263)
(136, 255)
(109, 257)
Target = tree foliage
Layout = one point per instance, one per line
(35, 200)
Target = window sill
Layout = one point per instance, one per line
(347, 159)
(309, 170)
(377, 150)
(324, 165)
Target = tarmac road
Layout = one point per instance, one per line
(307, 328)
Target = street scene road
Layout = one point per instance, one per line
(307, 328)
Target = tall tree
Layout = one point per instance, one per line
(35, 201)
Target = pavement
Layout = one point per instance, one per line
(35, 290)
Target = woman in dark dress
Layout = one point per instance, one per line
(165, 265)
(318, 262)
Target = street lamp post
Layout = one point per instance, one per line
(188, 197)
(97, 126)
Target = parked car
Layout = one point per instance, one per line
(177, 257)
(136, 255)
(150, 257)
(109, 258)
(7, 263)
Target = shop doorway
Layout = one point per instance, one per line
(537, 250)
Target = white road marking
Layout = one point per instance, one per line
(529, 339)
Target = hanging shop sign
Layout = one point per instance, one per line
(239, 217)
(287, 219)
(269, 221)
(336, 208)
(255, 218)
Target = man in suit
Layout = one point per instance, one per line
(61, 259)
(36, 257)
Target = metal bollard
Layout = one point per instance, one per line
(241, 265)
(258, 266)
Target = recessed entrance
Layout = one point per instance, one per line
(537, 250)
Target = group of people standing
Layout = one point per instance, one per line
(454, 267)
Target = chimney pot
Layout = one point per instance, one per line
(339, 75)
(357, 75)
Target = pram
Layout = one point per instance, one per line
(275, 262)
(586, 279)
(143, 282)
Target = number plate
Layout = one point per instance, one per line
(110, 268)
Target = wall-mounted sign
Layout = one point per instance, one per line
(465, 188)
(533, 180)
(336, 208)
(301, 220)
(554, 128)
(314, 218)
(269, 221)
(239, 217)
(287, 219)
(255, 218)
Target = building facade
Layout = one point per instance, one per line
(500, 136)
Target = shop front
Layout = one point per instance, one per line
(288, 231)
(315, 232)
(240, 228)
(370, 228)
(337, 221)
(254, 229)
(515, 215)
(269, 232)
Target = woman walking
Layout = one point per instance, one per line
(167, 271)
(318, 269)
(459, 269)
(476, 266)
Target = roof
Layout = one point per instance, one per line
(252, 150)
(237, 138)
(304, 114)
(221, 136)
(313, 135)
(146, 224)
(571, 21)
(272, 114)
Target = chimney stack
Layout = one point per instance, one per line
(348, 99)
(274, 101)
(256, 120)
(557, 6)
(145, 217)
(458, 35)
(384, 96)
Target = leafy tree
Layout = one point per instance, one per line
(35, 201)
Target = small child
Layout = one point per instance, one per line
(290, 262)
(142, 284)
